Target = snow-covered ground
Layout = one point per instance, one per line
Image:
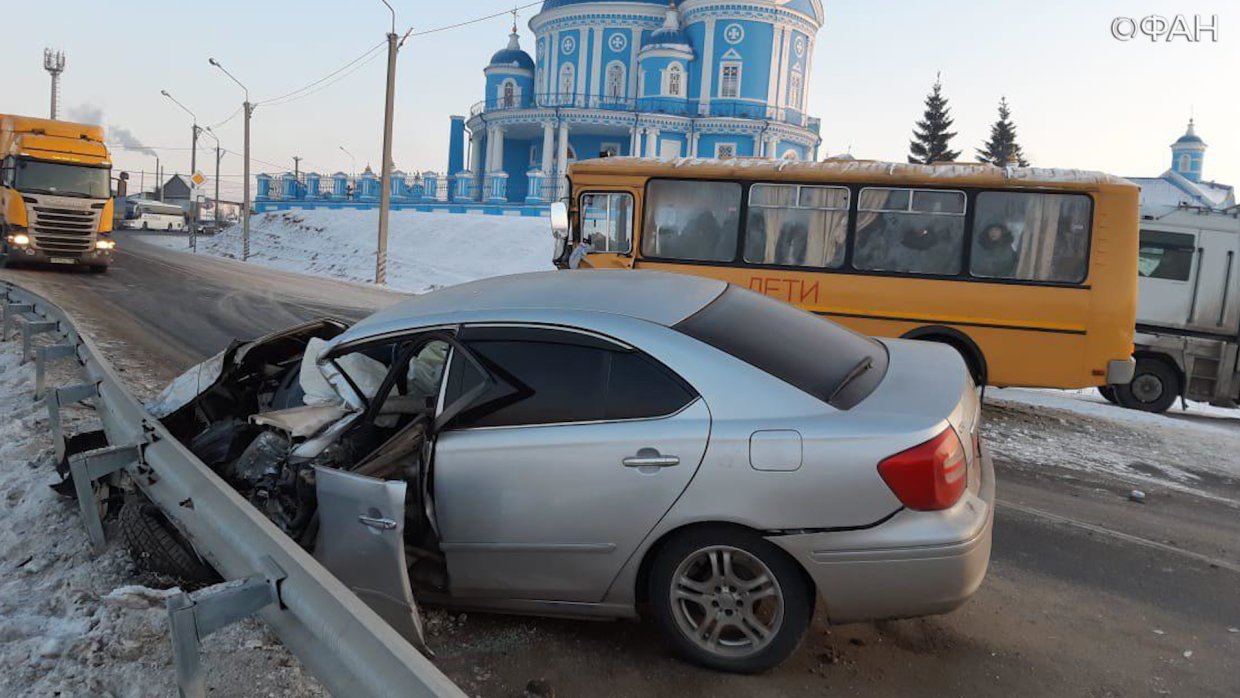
(425, 250)
(76, 624)
(1195, 450)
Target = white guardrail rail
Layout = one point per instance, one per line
(339, 639)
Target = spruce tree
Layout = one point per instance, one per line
(931, 139)
(1002, 149)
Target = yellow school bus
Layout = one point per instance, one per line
(1030, 273)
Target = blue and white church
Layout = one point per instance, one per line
(700, 78)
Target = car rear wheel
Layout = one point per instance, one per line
(729, 600)
(1155, 386)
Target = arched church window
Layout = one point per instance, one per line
(568, 79)
(1186, 162)
(674, 86)
(794, 90)
(510, 94)
(615, 81)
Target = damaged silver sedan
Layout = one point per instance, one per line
(592, 444)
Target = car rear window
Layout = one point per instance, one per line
(830, 362)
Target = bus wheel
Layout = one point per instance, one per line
(1155, 386)
(145, 225)
(1108, 392)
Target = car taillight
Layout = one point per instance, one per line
(930, 476)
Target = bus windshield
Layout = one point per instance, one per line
(38, 177)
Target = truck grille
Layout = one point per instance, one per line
(62, 230)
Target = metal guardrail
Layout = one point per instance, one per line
(343, 643)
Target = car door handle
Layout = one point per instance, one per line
(651, 461)
(379, 523)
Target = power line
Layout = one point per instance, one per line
(330, 75)
(355, 66)
(466, 23)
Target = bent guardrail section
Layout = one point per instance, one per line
(343, 643)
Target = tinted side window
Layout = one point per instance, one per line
(638, 387)
(551, 382)
(691, 220)
(1166, 255)
(1029, 236)
(910, 230)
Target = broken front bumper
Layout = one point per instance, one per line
(917, 563)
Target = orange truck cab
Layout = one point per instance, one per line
(55, 194)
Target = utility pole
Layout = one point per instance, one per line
(193, 160)
(219, 154)
(245, 211)
(54, 64)
(296, 166)
(385, 193)
(159, 184)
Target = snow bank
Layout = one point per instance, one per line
(73, 624)
(425, 250)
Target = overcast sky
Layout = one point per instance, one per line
(1080, 98)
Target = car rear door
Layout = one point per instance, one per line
(545, 488)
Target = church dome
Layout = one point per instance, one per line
(1190, 136)
(512, 56)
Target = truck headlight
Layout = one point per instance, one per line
(20, 239)
(104, 244)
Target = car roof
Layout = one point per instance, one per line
(656, 297)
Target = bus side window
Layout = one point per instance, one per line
(1031, 236)
(795, 225)
(919, 231)
(607, 221)
(693, 220)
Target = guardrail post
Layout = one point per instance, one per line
(12, 311)
(43, 355)
(30, 328)
(65, 396)
(192, 617)
(88, 467)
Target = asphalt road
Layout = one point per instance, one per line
(1087, 595)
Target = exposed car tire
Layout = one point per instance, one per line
(1155, 386)
(97, 268)
(157, 548)
(1108, 392)
(729, 600)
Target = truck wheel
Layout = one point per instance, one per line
(1155, 386)
(157, 547)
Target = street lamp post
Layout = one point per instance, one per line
(193, 153)
(245, 211)
(353, 171)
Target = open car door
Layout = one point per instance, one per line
(362, 519)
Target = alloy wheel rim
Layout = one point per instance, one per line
(726, 601)
(1147, 387)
